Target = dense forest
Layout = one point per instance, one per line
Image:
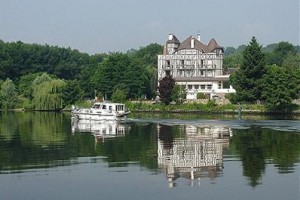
(44, 77)
(49, 77)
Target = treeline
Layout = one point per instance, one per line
(271, 78)
(274, 54)
(47, 77)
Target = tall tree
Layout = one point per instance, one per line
(8, 94)
(48, 93)
(248, 79)
(110, 73)
(165, 89)
(282, 86)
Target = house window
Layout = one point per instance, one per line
(220, 85)
(190, 87)
(196, 87)
(209, 87)
(202, 87)
(168, 63)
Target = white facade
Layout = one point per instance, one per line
(195, 66)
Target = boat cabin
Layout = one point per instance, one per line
(109, 106)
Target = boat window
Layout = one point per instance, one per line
(96, 106)
(119, 107)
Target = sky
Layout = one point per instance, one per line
(102, 26)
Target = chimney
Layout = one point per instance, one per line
(170, 36)
(192, 42)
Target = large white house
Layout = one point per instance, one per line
(197, 67)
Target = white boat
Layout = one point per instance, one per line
(101, 111)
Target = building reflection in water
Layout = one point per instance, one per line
(100, 129)
(195, 154)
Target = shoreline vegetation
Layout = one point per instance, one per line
(209, 108)
(47, 78)
(186, 108)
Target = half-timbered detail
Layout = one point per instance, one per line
(197, 67)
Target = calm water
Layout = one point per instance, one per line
(49, 156)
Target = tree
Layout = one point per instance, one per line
(110, 73)
(178, 93)
(281, 51)
(148, 55)
(8, 94)
(25, 83)
(71, 92)
(292, 61)
(48, 93)
(165, 89)
(247, 80)
(118, 96)
(281, 87)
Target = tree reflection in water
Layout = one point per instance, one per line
(187, 150)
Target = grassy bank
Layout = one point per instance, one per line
(210, 107)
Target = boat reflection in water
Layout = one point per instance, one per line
(196, 154)
(100, 129)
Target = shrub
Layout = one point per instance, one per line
(200, 95)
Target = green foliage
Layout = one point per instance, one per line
(232, 61)
(147, 55)
(119, 96)
(292, 61)
(25, 103)
(119, 71)
(211, 103)
(201, 95)
(71, 92)
(165, 89)
(281, 51)
(85, 82)
(146, 59)
(178, 93)
(247, 80)
(134, 73)
(18, 59)
(48, 93)
(232, 98)
(281, 86)
(8, 95)
(25, 84)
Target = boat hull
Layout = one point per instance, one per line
(98, 117)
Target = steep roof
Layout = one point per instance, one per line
(173, 40)
(212, 45)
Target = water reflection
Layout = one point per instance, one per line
(198, 153)
(183, 149)
(32, 140)
(101, 130)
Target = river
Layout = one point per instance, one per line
(47, 155)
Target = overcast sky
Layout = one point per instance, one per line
(101, 26)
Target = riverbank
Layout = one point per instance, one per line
(209, 108)
(194, 108)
